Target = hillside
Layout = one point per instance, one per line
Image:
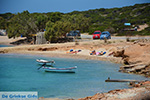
(114, 19)
(111, 20)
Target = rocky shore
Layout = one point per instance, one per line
(137, 59)
(140, 91)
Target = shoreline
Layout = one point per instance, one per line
(76, 56)
(136, 59)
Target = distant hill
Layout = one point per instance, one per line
(113, 19)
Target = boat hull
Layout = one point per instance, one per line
(44, 61)
(60, 70)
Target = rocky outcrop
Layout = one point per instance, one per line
(140, 91)
(3, 51)
(43, 49)
(136, 58)
(47, 49)
(141, 84)
(142, 69)
(119, 53)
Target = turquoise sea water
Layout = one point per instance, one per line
(19, 73)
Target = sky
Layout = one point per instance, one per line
(63, 6)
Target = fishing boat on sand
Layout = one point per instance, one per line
(61, 70)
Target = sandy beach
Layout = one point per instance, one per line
(4, 40)
(134, 57)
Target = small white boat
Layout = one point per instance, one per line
(61, 70)
(44, 61)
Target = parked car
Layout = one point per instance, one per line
(106, 35)
(75, 33)
(96, 35)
